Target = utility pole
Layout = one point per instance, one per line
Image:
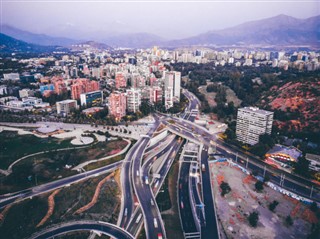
(237, 157)
(282, 177)
(264, 171)
(311, 191)
(247, 162)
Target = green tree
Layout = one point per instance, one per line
(273, 205)
(314, 207)
(225, 188)
(146, 108)
(302, 167)
(289, 220)
(259, 186)
(230, 134)
(253, 218)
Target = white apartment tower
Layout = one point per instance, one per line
(251, 123)
(133, 99)
(168, 98)
(172, 82)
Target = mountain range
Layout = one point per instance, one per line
(12, 45)
(280, 30)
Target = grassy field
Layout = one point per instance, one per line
(51, 166)
(22, 218)
(104, 162)
(14, 146)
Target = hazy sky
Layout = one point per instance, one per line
(168, 19)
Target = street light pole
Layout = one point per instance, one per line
(311, 191)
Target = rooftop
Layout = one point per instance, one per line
(313, 157)
(289, 151)
(47, 129)
(256, 110)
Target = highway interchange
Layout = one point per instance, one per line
(140, 187)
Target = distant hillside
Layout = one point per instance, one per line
(11, 45)
(279, 30)
(134, 40)
(299, 102)
(39, 39)
(91, 44)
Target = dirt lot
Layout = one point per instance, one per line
(234, 208)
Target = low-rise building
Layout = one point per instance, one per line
(92, 110)
(93, 98)
(3, 90)
(282, 155)
(314, 162)
(4, 100)
(26, 93)
(11, 76)
(66, 106)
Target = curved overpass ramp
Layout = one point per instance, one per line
(102, 227)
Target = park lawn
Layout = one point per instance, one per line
(51, 166)
(103, 162)
(14, 146)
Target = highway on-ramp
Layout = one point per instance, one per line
(28, 193)
(102, 227)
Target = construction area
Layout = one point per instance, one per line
(287, 218)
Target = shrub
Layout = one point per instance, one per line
(289, 220)
(259, 186)
(225, 188)
(273, 205)
(253, 218)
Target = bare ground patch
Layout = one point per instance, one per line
(234, 208)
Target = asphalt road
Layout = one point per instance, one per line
(102, 227)
(186, 213)
(152, 218)
(210, 228)
(292, 182)
(157, 182)
(28, 193)
(127, 203)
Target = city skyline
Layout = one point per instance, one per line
(167, 19)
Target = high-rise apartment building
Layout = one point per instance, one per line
(138, 81)
(117, 105)
(121, 81)
(133, 99)
(156, 94)
(81, 86)
(251, 123)
(59, 85)
(168, 97)
(172, 81)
